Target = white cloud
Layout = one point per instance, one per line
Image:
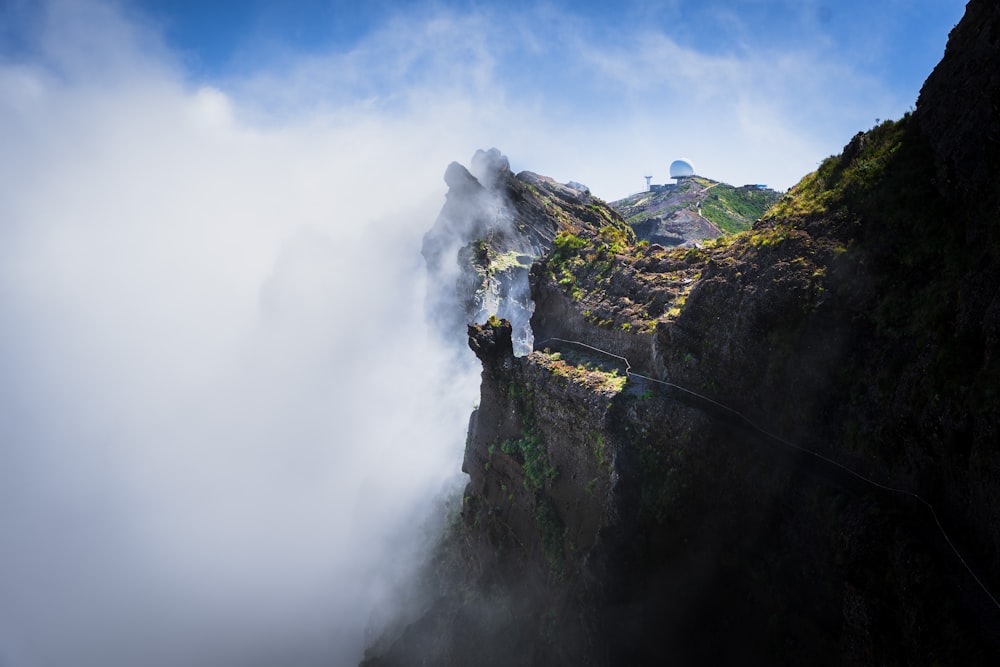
(220, 401)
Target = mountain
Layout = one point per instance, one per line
(779, 447)
(695, 209)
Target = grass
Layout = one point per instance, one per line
(734, 210)
(850, 177)
(582, 369)
(770, 236)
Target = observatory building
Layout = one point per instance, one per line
(679, 170)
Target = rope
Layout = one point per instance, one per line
(752, 424)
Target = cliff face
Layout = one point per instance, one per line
(757, 493)
(958, 109)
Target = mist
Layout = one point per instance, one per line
(226, 431)
(220, 402)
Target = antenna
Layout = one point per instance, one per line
(647, 182)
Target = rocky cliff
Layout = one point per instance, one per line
(494, 224)
(780, 447)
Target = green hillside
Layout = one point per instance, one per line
(695, 209)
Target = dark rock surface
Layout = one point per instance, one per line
(963, 132)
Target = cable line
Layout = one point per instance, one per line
(753, 425)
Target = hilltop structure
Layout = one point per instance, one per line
(694, 209)
(680, 169)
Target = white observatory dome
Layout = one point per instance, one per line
(681, 168)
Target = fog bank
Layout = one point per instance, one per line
(224, 423)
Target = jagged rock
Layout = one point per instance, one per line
(460, 182)
(492, 342)
(490, 167)
(492, 227)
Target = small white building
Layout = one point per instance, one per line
(679, 170)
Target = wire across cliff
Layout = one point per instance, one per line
(741, 417)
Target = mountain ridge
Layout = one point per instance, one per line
(695, 209)
(619, 520)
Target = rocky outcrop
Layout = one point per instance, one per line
(539, 459)
(492, 227)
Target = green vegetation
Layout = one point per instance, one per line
(587, 213)
(881, 205)
(530, 449)
(534, 457)
(675, 310)
(882, 181)
(845, 178)
(645, 208)
(566, 244)
(719, 243)
(552, 532)
(600, 451)
(574, 257)
(584, 369)
(731, 209)
(616, 239)
(734, 210)
(486, 261)
(564, 259)
(770, 236)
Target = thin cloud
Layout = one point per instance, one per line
(765, 115)
(752, 116)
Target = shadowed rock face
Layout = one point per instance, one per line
(611, 522)
(958, 109)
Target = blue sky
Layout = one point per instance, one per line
(601, 64)
(224, 426)
(750, 90)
